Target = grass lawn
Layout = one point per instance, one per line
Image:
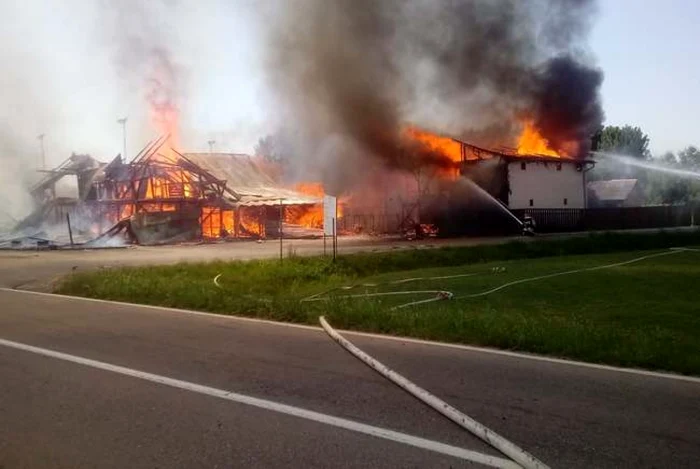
(645, 314)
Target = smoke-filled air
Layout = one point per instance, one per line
(72, 69)
(349, 77)
(345, 80)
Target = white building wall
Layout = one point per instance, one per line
(545, 186)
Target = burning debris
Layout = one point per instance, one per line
(163, 196)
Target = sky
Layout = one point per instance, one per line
(64, 74)
(649, 53)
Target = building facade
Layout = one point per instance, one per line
(545, 183)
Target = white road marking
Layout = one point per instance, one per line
(392, 338)
(505, 446)
(378, 432)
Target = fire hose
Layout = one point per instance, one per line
(441, 294)
(557, 274)
(517, 454)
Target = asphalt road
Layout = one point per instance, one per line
(35, 270)
(55, 413)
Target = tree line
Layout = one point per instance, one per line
(659, 187)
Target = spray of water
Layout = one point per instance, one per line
(647, 165)
(490, 198)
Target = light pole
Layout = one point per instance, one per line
(122, 121)
(43, 151)
(211, 146)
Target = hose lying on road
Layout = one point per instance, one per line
(542, 277)
(514, 452)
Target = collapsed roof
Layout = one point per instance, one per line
(248, 184)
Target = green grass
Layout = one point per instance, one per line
(645, 314)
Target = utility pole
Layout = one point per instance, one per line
(211, 146)
(122, 121)
(281, 224)
(43, 151)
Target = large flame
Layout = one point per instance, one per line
(309, 216)
(446, 146)
(531, 142)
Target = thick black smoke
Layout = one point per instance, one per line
(567, 106)
(349, 74)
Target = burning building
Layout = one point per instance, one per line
(529, 176)
(494, 74)
(524, 181)
(163, 195)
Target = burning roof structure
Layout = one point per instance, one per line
(163, 195)
(529, 176)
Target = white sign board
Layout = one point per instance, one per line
(330, 214)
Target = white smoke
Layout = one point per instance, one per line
(72, 68)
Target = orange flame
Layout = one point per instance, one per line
(446, 146)
(531, 142)
(309, 216)
(314, 189)
(249, 222)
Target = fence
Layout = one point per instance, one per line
(369, 223)
(485, 222)
(563, 220)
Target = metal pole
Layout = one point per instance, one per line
(692, 214)
(122, 121)
(334, 241)
(43, 151)
(70, 231)
(280, 227)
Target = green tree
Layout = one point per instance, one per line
(690, 158)
(668, 158)
(273, 148)
(663, 188)
(626, 140)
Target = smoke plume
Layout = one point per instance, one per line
(143, 39)
(350, 74)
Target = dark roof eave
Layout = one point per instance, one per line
(534, 158)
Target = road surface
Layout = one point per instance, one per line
(56, 413)
(36, 270)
